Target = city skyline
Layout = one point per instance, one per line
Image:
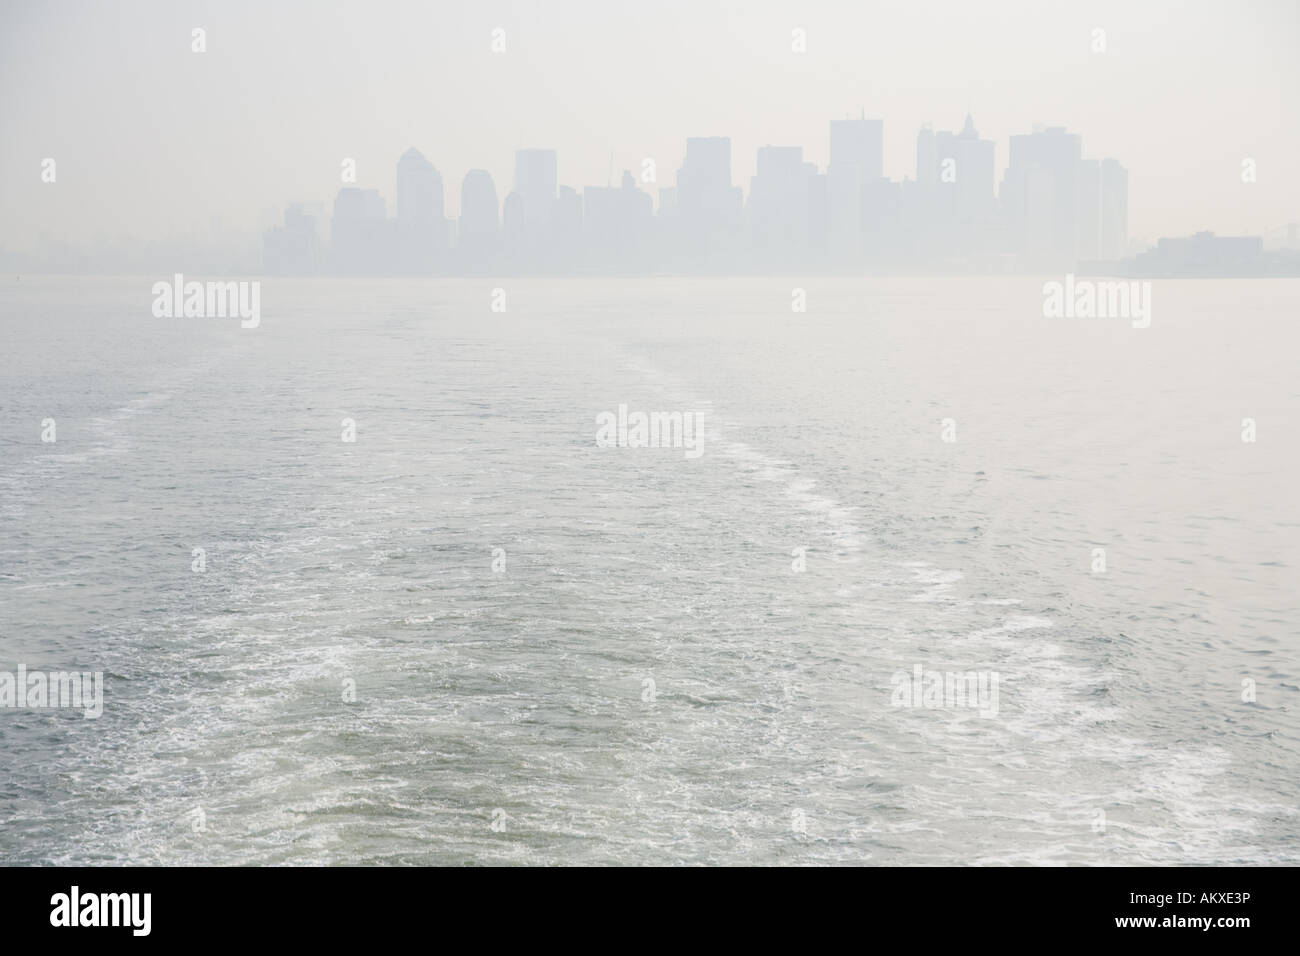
(701, 433)
(187, 146)
(1052, 208)
(952, 211)
(1048, 207)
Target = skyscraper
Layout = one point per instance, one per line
(927, 157)
(421, 228)
(478, 205)
(1103, 209)
(859, 142)
(958, 168)
(779, 201)
(419, 190)
(1089, 209)
(536, 185)
(294, 248)
(704, 190)
(360, 234)
(857, 162)
(1114, 210)
(973, 172)
(479, 238)
(616, 225)
(708, 208)
(1040, 197)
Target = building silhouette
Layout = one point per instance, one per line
(479, 233)
(1206, 254)
(535, 184)
(295, 248)
(857, 156)
(1054, 211)
(952, 209)
(707, 209)
(780, 195)
(361, 237)
(422, 235)
(616, 227)
(1040, 198)
(1114, 210)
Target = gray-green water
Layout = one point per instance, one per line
(523, 696)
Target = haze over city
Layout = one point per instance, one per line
(156, 142)
(696, 433)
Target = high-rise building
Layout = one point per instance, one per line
(419, 190)
(857, 161)
(1103, 209)
(616, 225)
(952, 208)
(1089, 209)
(859, 142)
(512, 215)
(421, 227)
(779, 200)
(704, 212)
(959, 169)
(478, 206)
(704, 192)
(1040, 197)
(927, 157)
(1114, 210)
(536, 185)
(293, 248)
(478, 241)
(360, 234)
(971, 172)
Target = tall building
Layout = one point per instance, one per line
(859, 142)
(1040, 197)
(421, 228)
(704, 191)
(360, 234)
(958, 167)
(512, 216)
(478, 205)
(952, 208)
(1103, 209)
(927, 157)
(1089, 209)
(1114, 210)
(705, 209)
(536, 185)
(971, 172)
(293, 248)
(882, 212)
(616, 224)
(779, 202)
(857, 161)
(566, 227)
(419, 190)
(479, 235)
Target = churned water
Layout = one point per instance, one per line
(473, 635)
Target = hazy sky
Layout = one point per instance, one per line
(152, 139)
